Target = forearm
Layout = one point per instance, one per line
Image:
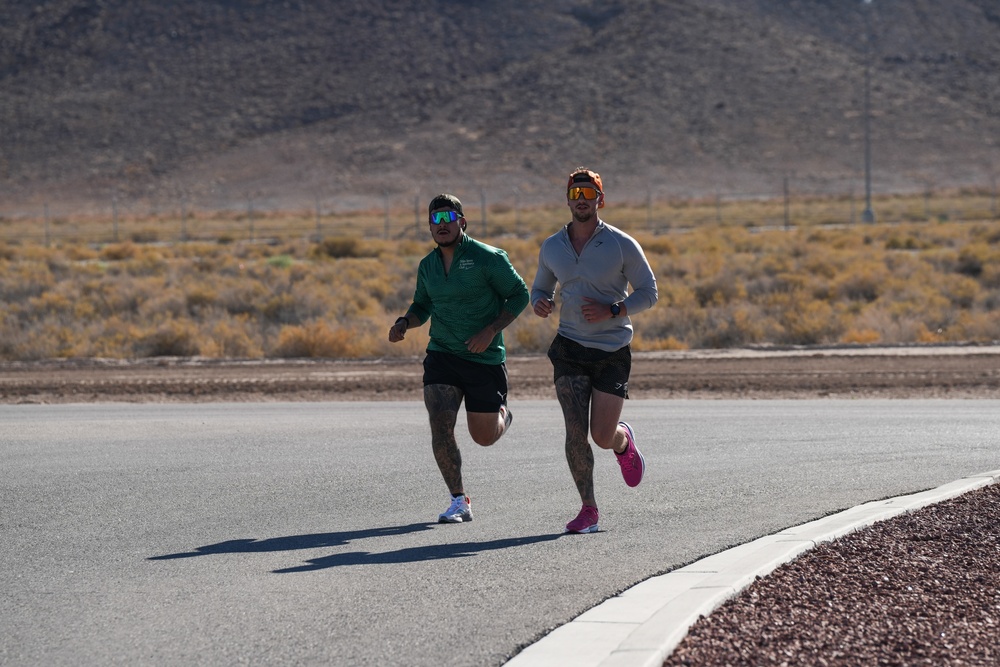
(502, 321)
(639, 300)
(644, 292)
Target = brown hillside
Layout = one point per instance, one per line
(348, 101)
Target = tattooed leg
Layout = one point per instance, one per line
(574, 397)
(442, 403)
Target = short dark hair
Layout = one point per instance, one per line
(445, 200)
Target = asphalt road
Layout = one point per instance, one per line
(303, 533)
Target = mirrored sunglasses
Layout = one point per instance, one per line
(586, 193)
(444, 216)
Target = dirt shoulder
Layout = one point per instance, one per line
(922, 372)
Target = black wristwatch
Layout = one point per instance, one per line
(616, 310)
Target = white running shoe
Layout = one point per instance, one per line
(508, 417)
(460, 511)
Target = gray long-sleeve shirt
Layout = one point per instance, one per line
(610, 261)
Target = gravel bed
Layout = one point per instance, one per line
(922, 588)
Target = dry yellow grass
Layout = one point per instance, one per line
(298, 289)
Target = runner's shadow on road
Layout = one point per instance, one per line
(417, 554)
(294, 542)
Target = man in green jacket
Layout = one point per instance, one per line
(470, 292)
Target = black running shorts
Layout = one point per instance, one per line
(608, 371)
(484, 385)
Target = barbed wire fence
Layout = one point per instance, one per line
(401, 216)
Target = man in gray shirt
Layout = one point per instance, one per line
(593, 263)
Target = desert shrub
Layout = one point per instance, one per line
(169, 339)
(921, 334)
(407, 248)
(199, 298)
(145, 236)
(861, 282)
(317, 340)
(530, 334)
(658, 245)
(861, 336)
(231, 338)
(354, 288)
(166, 303)
(33, 253)
(988, 234)
(973, 258)
(982, 327)
(241, 297)
(665, 268)
(344, 247)
(821, 265)
(225, 265)
(685, 323)
(117, 252)
(904, 266)
(806, 322)
(926, 306)
(753, 243)
(24, 280)
(13, 336)
(198, 251)
(961, 290)
(642, 344)
(719, 290)
(902, 242)
(280, 309)
(112, 337)
(732, 327)
(941, 260)
(280, 261)
(121, 294)
(990, 277)
(790, 282)
(50, 303)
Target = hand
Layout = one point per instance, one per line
(397, 331)
(544, 307)
(480, 341)
(595, 311)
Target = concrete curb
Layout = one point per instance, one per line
(642, 626)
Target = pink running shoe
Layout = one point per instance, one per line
(631, 461)
(585, 521)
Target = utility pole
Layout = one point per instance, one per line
(868, 215)
(482, 208)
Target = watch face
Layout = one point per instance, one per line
(615, 310)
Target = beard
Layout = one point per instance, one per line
(448, 243)
(584, 216)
